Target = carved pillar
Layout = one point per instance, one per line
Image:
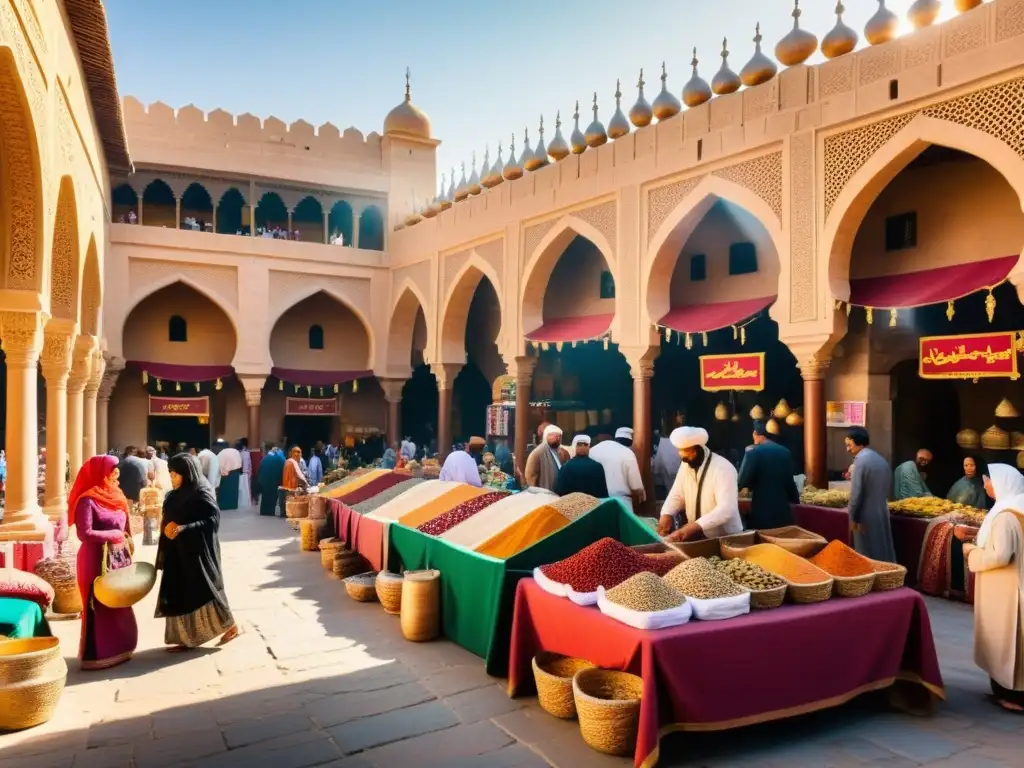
(524, 378)
(56, 365)
(815, 439)
(355, 230)
(641, 366)
(92, 388)
(140, 208)
(252, 220)
(289, 224)
(107, 385)
(393, 395)
(327, 234)
(81, 370)
(214, 222)
(22, 341)
(253, 386)
(177, 213)
(445, 374)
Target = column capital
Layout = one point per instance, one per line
(522, 368)
(392, 389)
(108, 382)
(813, 368)
(22, 337)
(253, 386)
(81, 363)
(445, 374)
(56, 356)
(641, 360)
(99, 366)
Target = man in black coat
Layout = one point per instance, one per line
(767, 471)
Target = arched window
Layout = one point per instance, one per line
(316, 337)
(177, 329)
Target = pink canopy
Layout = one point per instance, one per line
(186, 373)
(572, 328)
(929, 286)
(704, 318)
(317, 378)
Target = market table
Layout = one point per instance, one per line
(715, 675)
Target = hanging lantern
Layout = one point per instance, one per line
(355, 385)
(145, 378)
(280, 385)
(757, 413)
(782, 410)
(743, 335)
(795, 419)
(607, 341)
(309, 390)
(735, 418)
(870, 315)
(177, 386)
(689, 342)
(335, 389)
(772, 427)
(668, 334)
(990, 306)
(735, 333)
(197, 386)
(219, 385)
(950, 311)
(721, 412)
(704, 339)
(159, 386)
(893, 316)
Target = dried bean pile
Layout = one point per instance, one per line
(646, 593)
(605, 563)
(448, 520)
(747, 574)
(575, 505)
(839, 559)
(700, 579)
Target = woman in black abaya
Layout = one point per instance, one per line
(191, 596)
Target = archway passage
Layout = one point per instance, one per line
(473, 385)
(158, 205)
(196, 208)
(371, 229)
(232, 217)
(308, 221)
(407, 344)
(340, 224)
(125, 207)
(271, 213)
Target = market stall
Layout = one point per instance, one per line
(881, 638)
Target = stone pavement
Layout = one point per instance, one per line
(318, 679)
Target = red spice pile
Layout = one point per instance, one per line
(460, 514)
(605, 563)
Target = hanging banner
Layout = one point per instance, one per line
(845, 414)
(301, 406)
(732, 372)
(977, 356)
(179, 406)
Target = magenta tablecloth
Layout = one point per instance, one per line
(717, 675)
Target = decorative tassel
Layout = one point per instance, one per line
(668, 334)
(870, 315)
(159, 386)
(558, 346)
(743, 335)
(893, 317)
(309, 390)
(990, 306)
(355, 385)
(689, 342)
(177, 386)
(544, 347)
(735, 333)
(296, 389)
(606, 342)
(197, 386)
(950, 311)
(574, 345)
(145, 378)
(219, 385)
(280, 385)
(848, 308)
(704, 339)
(335, 389)
(321, 391)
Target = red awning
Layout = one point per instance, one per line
(572, 328)
(186, 373)
(704, 318)
(929, 286)
(317, 378)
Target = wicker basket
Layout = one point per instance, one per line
(296, 507)
(421, 606)
(608, 706)
(852, 586)
(767, 598)
(318, 507)
(809, 593)
(309, 534)
(59, 573)
(797, 540)
(888, 576)
(389, 591)
(328, 549)
(553, 674)
(362, 587)
(32, 675)
(347, 563)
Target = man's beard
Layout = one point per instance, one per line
(697, 460)
(922, 466)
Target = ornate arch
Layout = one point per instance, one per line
(402, 327)
(541, 263)
(846, 213)
(92, 290)
(64, 258)
(21, 186)
(455, 312)
(665, 243)
(178, 277)
(346, 302)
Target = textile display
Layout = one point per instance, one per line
(368, 490)
(22, 618)
(27, 554)
(942, 570)
(477, 592)
(457, 495)
(882, 638)
(406, 502)
(343, 490)
(382, 498)
(494, 519)
(523, 533)
(462, 513)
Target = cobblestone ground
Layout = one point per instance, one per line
(320, 680)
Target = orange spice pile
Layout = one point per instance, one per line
(841, 560)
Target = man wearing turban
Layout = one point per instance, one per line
(546, 460)
(581, 474)
(704, 491)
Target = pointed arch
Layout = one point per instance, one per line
(229, 311)
(298, 333)
(92, 290)
(371, 229)
(402, 327)
(455, 313)
(314, 289)
(64, 256)
(852, 204)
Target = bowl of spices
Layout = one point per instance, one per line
(605, 563)
(805, 582)
(766, 589)
(853, 574)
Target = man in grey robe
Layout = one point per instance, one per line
(869, 499)
(910, 476)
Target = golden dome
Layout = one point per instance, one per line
(757, 413)
(577, 139)
(618, 126)
(725, 80)
(924, 12)
(407, 119)
(882, 27)
(995, 439)
(966, 5)
(666, 105)
(526, 159)
(968, 438)
(772, 427)
(462, 191)
(696, 91)
(491, 173)
(760, 69)
(841, 39)
(558, 149)
(795, 419)
(474, 179)
(540, 154)
(799, 45)
(640, 114)
(512, 169)
(1006, 410)
(595, 134)
(782, 410)
(721, 412)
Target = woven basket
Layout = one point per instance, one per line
(809, 593)
(553, 674)
(32, 675)
(852, 586)
(797, 540)
(59, 573)
(608, 706)
(888, 576)
(328, 549)
(347, 563)
(362, 587)
(389, 591)
(421, 606)
(767, 598)
(125, 587)
(296, 507)
(309, 534)
(317, 507)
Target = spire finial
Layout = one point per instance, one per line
(408, 87)
(797, 13)
(558, 120)
(474, 160)
(526, 136)
(541, 129)
(695, 62)
(664, 74)
(576, 114)
(725, 50)
(512, 147)
(595, 105)
(757, 37)
(618, 93)
(640, 83)
(840, 10)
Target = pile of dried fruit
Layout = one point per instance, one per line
(605, 563)
(747, 574)
(645, 593)
(700, 579)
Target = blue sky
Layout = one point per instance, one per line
(480, 70)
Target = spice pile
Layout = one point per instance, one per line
(746, 574)
(460, 514)
(700, 579)
(783, 563)
(822, 498)
(573, 506)
(645, 593)
(605, 563)
(931, 506)
(838, 559)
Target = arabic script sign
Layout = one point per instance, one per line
(846, 414)
(179, 406)
(301, 406)
(734, 372)
(979, 356)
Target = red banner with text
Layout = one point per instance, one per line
(977, 356)
(303, 406)
(732, 372)
(179, 406)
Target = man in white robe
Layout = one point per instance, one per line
(704, 490)
(621, 469)
(161, 475)
(210, 466)
(464, 466)
(408, 449)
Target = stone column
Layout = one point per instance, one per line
(140, 209)
(815, 439)
(524, 378)
(103, 408)
(22, 341)
(56, 365)
(81, 370)
(445, 374)
(214, 222)
(327, 234)
(253, 386)
(92, 389)
(641, 367)
(393, 395)
(355, 230)
(177, 213)
(289, 224)
(252, 220)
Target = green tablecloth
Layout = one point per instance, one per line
(478, 592)
(22, 618)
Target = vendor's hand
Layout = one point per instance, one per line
(171, 531)
(962, 533)
(665, 524)
(968, 548)
(687, 532)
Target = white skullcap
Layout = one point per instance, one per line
(551, 429)
(585, 439)
(688, 437)
(624, 432)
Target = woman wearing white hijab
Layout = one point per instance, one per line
(998, 560)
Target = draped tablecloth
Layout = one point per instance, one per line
(22, 618)
(715, 675)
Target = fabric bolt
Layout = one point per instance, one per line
(370, 489)
(461, 513)
(494, 519)
(540, 523)
(574, 505)
(406, 502)
(344, 490)
(881, 637)
(22, 618)
(440, 505)
(382, 498)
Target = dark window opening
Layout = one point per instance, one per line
(700, 149)
(607, 285)
(177, 329)
(894, 90)
(901, 231)
(742, 259)
(316, 337)
(698, 268)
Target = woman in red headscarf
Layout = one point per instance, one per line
(100, 512)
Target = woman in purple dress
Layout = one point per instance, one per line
(100, 513)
